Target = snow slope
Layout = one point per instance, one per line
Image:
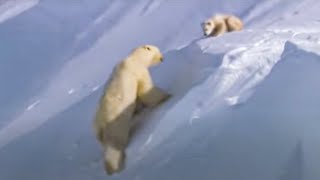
(245, 104)
(10, 9)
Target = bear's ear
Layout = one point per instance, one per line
(147, 48)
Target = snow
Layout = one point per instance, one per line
(10, 9)
(244, 106)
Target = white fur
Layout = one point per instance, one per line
(220, 24)
(129, 84)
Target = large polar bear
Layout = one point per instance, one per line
(220, 24)
(130, 83)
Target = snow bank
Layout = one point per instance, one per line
(268, 137)
(12, 8)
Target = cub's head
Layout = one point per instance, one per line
(149, 55)
(208, 27)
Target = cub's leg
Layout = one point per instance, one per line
(220, 28)
(234, 24)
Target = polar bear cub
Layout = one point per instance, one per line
(130, 83)
(220, 24)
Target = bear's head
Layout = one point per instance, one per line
(149, 55)
(208, 27)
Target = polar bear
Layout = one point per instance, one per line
(220, 24)
(129, 86)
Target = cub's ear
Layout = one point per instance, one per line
(147, 48)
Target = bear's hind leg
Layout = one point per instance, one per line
(116, 141)
(113, 159)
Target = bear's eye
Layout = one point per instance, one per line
(208, 23)
(148, 48)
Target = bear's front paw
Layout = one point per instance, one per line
(166, 97)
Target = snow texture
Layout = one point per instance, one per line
(10, 9)
(245, 105)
